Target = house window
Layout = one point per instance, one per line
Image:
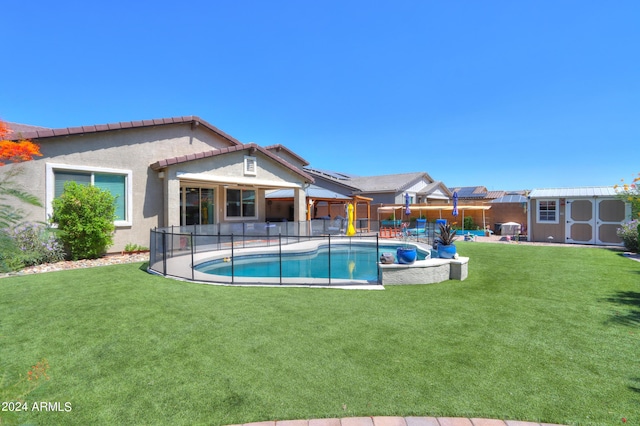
(548, 211)
(241, 203)
(250, 165)
(197, 206)
(117, 182)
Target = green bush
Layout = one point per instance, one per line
(85, 216)
(469, 223)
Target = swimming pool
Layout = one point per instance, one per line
(339, 261)
(477, 233)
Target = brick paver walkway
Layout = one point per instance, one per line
(398, 421)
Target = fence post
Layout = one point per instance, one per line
(329, 251)
(193, 245)
(280, 255)
(377, 259)
(232, 261)
(164, 253)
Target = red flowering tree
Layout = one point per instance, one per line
(13, 152)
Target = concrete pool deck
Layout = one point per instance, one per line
(399, 421)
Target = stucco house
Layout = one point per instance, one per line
(585, 215)
(165, 172)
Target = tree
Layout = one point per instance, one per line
(630, 193)
(630, 232)
(14, 152)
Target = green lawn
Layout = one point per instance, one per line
(544, 334)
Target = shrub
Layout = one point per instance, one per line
(629, 235)
(469, 223)
(9, 253)
(130, 248)
(27, 245)
(37, 244)
(85, 216)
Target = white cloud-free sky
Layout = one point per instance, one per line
(504, 94)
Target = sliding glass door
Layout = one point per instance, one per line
(197, 206)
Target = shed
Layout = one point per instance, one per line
(582, 215)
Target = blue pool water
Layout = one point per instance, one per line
(462, 233)
(356, 262)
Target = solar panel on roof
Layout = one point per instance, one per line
(332, 174)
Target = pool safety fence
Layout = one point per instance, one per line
(177, 251)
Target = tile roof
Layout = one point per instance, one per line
(43, 133)
(388, 183)
(470, 191)
(433, 186)
(279, 147)
(494, 194)
(17, 130)
(158, 165)
(586, 191)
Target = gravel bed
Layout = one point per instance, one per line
(111, 259)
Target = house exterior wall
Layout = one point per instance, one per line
(131, 150)
(220, 172)
(540, 232)
(507, 212)
(385, 198)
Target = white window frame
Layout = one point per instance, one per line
(241, 217)
(557, 210)
(250, 165)
(51, 187)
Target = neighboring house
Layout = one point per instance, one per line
(476, 193)
(384, 189)
(167, 172)
(588, 215)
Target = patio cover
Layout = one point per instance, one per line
(418, 207)
(316, 193)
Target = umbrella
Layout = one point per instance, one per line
(407, 210)
(455, 204)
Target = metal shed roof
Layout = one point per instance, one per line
(586, 191)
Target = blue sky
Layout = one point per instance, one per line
(504, 94)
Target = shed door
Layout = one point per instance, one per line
(611, 213)
(580, 214)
